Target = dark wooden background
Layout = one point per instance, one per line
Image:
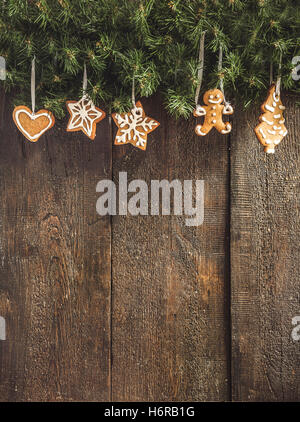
(144, 308)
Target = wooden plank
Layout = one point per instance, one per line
(55, 266)
(170, 281)
(265, 262)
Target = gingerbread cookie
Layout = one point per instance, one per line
(271, 129)
(213, 111)
(32, 125)
(84, 116)
(134, 127)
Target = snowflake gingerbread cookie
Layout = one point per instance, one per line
(213, 111)
(134, 127)
(84, 116)
(271, 129)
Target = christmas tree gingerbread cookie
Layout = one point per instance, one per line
(271, 129)
(213, 111)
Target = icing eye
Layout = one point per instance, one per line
(211, 96)
(217, 96)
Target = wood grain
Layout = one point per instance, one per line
(265, 277)
(55, 266)
(170, 281)
(144, 307)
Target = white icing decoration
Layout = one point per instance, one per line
(272, 132)
(84, 114)
(283, 132)
(262, 133)
(269, 108)
(33, 117)
(129, 125)
(215, 102)
(228, 129)
(277, 116)
(200, 111)
(228, 109)
(281, 107)
(199, 132)
(267, 121)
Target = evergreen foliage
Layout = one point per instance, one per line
(154, 41)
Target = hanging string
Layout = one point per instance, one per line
(271, 73)
(55, 58)
(221, 82)
(277, 90)
(84, 82)
(220, 69)
(133, 92)
(200, 67)
(33, 85)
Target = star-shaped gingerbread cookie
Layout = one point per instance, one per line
(134, 127)
(84, 116)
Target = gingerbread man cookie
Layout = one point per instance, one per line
(271, 129)
(213, 111)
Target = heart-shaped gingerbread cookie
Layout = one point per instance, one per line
(32, 125)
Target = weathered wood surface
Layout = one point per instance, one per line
(170, 308)
(55, 267)
(265, 262)
(144, 307)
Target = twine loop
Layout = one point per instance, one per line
(33, 85)
(200, 67)
(133, 91)
(221, 77)
(278, 80)
(84, 80)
